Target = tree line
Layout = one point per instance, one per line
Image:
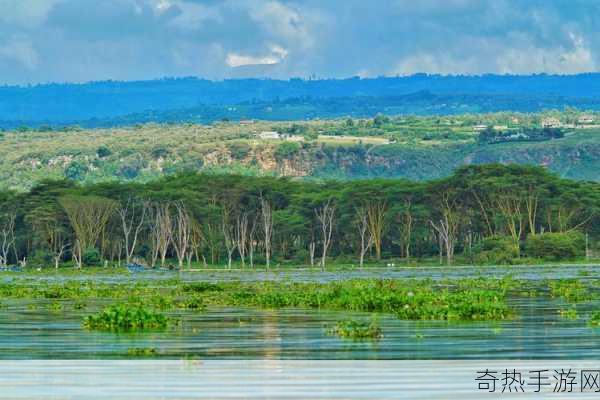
(485, 213)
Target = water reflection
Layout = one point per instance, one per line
(33, 330)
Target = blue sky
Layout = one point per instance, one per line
(83, 40)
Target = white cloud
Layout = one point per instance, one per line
(277, 55)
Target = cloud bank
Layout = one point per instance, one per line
(83, 40)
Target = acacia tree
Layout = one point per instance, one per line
(376, 211)
(252, 239)
(325, 215)
(267, 224)
(133, 217)
(161, 232)
(511, 208)
(229, 234)
(49, 225)
(196, 239)
(405, 220)
(366, 239)
(447, 226)
(181, 232)
(7, 236)
(241, 235)
(88, 216)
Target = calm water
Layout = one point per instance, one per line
(31, 330)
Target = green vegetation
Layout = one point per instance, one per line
(125, 318)
(569, 313)
(357, 330)
(413, 147)
(555, 245)
(137, 305)
(142, 352)
(490, 214)
(595, 319)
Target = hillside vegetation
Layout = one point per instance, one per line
(417, 148)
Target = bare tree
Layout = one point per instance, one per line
(252, 240)
(161, 232)
(406, 224)
(511, 207)
(88, 216)
(376, 221)
(196, 238)
(7, 236)
(133, 216)
(267, 225)
(366, 239)
(181, 232)
(312, 248)
(325, 215)
(229, 234)
(241, 234)
(447, 227)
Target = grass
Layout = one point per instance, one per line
(357, 330)
(125, 318)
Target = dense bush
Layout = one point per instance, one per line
(286, 150)
(103, 151)
(555, 246)
(496, 250)
(41, 258)
(91, 257)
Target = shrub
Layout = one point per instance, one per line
(42, 258)
(555, 246)
(239, 151)
(103, 151)
(286, 150)
(159, 152)
(496, 250)
(76, 171)
(91, 257)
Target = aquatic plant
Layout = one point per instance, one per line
(125, 317)
(357, 330)
(594, 319)
(569, 313)
(192, 303)
(570, 290)
(142, 352)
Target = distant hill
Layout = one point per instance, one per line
(196, 100)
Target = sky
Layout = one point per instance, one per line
(85, 40)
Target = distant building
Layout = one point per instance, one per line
(500, 127)
(585, 119)
(269, 135)
(551, 122)
(515, 120)
(479, 128)
(246, 122)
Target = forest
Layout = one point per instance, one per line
(484, 214)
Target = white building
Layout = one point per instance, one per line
(551, 122)
(269, 135)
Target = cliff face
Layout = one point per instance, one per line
(576, 159)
